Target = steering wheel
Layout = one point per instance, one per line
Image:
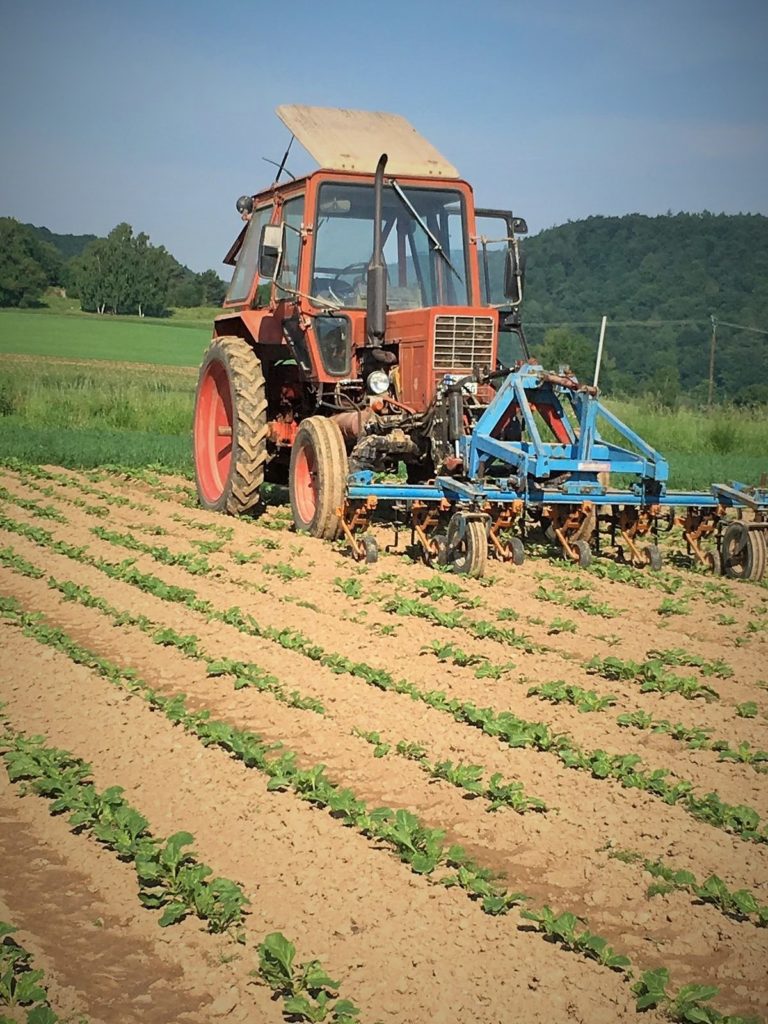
(345, 287)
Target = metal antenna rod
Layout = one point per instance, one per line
(282, 162)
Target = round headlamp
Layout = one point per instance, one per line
(377, 382)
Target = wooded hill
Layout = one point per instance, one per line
(670, 272)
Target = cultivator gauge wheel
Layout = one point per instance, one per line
(317, 477)
(516, 550)
(714, 561)
(652, 555)
(743, 552)
(583, 553)
(371, 549)
(467, 547)
(230, 427)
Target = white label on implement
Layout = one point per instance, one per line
(594, 467)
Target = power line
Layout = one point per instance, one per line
(620, 323)
(741, 327)
(644, 323)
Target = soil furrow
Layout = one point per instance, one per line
(428, 948)
(622, 917)
(600, 729)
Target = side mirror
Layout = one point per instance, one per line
(514, 274)
(270, 250)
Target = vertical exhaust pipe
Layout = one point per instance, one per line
(376, 304)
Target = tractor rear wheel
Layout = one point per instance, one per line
(230, 427)
(317, 479)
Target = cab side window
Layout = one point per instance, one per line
(248, 257)
(293, 216)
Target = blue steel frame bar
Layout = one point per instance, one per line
(456, 490)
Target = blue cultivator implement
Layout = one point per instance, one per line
(545, 449)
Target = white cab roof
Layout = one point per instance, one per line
(353, 140)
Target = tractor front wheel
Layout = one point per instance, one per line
(230, 427)
(317, 478)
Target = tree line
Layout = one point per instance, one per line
(122, 273)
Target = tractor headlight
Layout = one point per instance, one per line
(377, 382)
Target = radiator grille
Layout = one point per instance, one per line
(462, 342)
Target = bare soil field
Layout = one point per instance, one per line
(537, 788)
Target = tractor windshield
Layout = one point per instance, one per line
(423, 238)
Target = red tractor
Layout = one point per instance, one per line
(358, 291)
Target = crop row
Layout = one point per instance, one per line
(560, 692)
(21, 985)
(466, 777)
(29, 473)
(510, 729)
(170, 878)
(246, 674)
(713, 591)
(421, 848)
(740, 904)
(699, 739)
(710, 590)
(469, 777)
(653, 674)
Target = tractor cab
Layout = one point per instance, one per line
(304, 275)
(361, 293)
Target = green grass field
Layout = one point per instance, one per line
(87, 411)
(88, 336)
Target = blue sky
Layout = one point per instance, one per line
(160, 113)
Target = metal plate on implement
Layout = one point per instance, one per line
(594, 467)
(353, 140)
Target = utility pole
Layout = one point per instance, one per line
(712, 343)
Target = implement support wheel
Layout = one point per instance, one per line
(317, 478)
(230, 427)
(742, 552)
(583, 552)
(469, 555)
(516, 550)
(653, 558)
